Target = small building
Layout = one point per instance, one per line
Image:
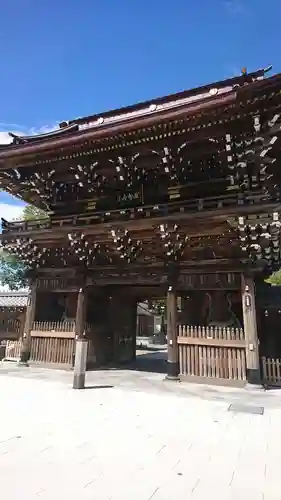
(12, 313)
(146, 320)
(12, 317)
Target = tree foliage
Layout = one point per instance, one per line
(274, 278)
(13, 270)
(30, 212)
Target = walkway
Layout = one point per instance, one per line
(131, 435)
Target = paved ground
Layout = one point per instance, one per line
(133, 436)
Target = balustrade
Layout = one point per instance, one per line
(58, 329)
(24, 225)
(271, 371)
(140, 212)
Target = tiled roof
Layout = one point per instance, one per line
(142, 309)
(140, 110)
(13, 299)
(6, 289)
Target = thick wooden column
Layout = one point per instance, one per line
(81, 342)
(250, 329)
(173, 364)
(29, 319)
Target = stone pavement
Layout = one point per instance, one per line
(133, 436)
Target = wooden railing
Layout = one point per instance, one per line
(271, 371)
(24, 225)
(159, 210)
(44, 350)
(59, 329)
(212, 352)
(50, 350)
(51, 343)
(13, 349)
(54, 341)
(56, 328)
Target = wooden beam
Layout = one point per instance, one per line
(211, 342)
(52, 334)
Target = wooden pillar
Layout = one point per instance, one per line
(29, 319)
(250, 329)
(81, 342)
(173, 364)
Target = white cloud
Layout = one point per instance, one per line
(10, 212)
(235, 7)
(44, 129)
(5, 138)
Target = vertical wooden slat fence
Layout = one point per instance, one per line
(212, 352)
(271, 371)
(52, 350)
(13, 349)
(53, 342)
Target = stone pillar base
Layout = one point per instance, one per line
(79, 381)
(80, 364)
(172, 371)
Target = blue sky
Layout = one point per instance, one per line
(63, 59)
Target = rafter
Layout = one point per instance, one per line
(26, 250)
(261, 239)
(173, 242)
(127, 249)
(86, 251)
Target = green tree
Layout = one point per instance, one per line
(274, 278)
(12, 271)
(30, 212)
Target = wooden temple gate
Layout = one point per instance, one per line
(181, 193)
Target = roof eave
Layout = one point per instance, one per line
(116, 128)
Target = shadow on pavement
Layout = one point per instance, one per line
(99, 387)
(151, 362)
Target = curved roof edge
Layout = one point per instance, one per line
(246, 77)
(64, 129)
(148, 113)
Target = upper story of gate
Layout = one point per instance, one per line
(208, 148)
